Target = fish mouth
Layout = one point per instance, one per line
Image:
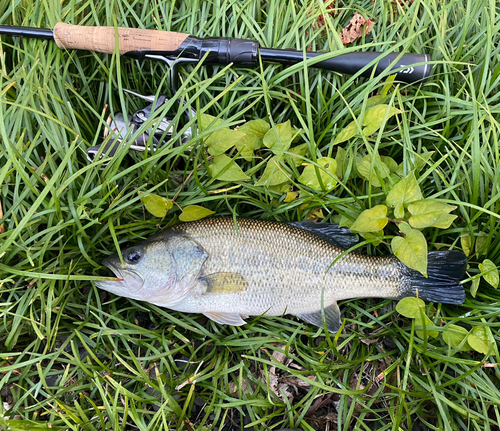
(130, 280)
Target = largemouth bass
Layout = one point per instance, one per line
(229, 271)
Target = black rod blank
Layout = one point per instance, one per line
(353, 62)
(31, 32)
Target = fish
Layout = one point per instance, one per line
(229, 269)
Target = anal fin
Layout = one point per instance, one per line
(332, 318)
(233, 319)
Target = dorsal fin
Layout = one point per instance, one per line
(340, 237)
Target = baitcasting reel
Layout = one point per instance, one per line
(157, 135)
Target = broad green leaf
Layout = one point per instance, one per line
(414, 308)
(428, 322)
(404, 192)
(327, 173)
(394, 178)
(194, 212)
(427, 206)
(388, 84)
(233, 172)
(296, 134)
(341, 159)
(345, 221)
(405, 228)
(279, 139)
(29, 425)
(374, 100)
(274, 173)
(466, 243)
(255, 127)
(375, 238)
(221, 140)
(374, 117)
(298, 153)
(247, 145)
(481, 240)
(399, 211)
(346, 133)
(246, 153)
(421, 159)
(478, 339)
(400, 171)
(366, 171)
(157, 205)
(431, 214)
(491, 271)
(412, 249)
(474, 286)
(390, 163)
(453, 335)
(410, 307)
(276, 188)
(291, 196)
(285, 187)
(371, 220)
(209, 121)
(433, 219)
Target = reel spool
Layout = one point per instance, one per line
(157, 135)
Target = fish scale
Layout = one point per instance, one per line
(230, 269)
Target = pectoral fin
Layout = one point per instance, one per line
(332, 318)
(225, 318)
(224, 282)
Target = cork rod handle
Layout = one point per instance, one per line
(102, 39)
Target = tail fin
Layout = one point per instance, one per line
(443, 269)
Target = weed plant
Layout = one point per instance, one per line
(74, 357)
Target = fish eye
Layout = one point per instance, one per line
(133, 256)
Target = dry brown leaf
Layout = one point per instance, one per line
(403, 4)
(322, 401)
(280, 389)
(297, 381)
(315, 215)
(369, 341)
(331, 9)
(278, 384)
(281, 357)
(356, 28)
(234, 388)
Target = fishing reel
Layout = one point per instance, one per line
(158, 134)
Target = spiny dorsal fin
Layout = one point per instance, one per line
(340, 237)
(332, 318)
(233, 319)
(224, 282)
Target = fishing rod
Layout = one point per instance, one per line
(177, 48)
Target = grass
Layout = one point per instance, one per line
(74, 357)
